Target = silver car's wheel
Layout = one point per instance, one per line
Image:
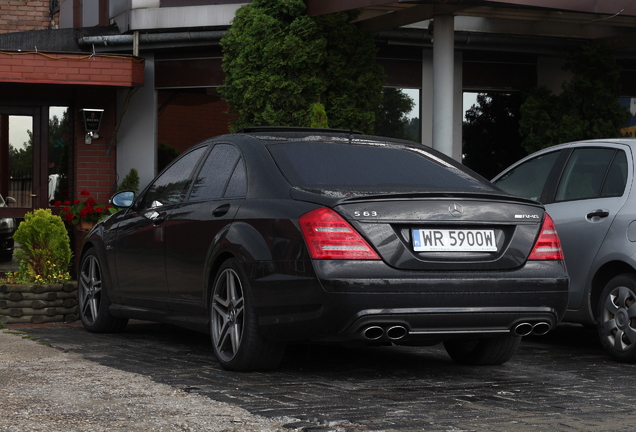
(93, 298)
(236, 338)
(228, 315)
(616, 318)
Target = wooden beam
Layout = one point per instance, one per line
(407, 16)
(322, 7)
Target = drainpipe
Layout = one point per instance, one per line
(136, 43)
(127, 42)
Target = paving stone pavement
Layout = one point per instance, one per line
(562, 381)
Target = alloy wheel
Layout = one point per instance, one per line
(228, 314)
(618, 319)
(90, 289)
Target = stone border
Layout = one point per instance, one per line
(38, 304)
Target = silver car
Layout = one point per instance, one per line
(587, 188)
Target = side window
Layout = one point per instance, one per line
(616, 178)
(528, 179)
(222, 174)
(173, 184)
(237, 187)
(584, 174)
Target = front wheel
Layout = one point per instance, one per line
(93, 297)
(236, 339)
(616, 318)
(483, 352)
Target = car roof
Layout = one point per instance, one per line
(625, 141)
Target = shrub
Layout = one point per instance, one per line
(44, 249)
(130, 182)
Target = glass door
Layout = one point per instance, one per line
(34, 165)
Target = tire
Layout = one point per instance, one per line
(6, 256)
(236, 339)
(616, 318)
(483, 352)
(93, 297)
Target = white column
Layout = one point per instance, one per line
(137, 134)
(426, 100)
(443, 80)
(458, 107)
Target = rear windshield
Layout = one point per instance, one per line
(329, 165)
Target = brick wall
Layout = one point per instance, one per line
(58, 68)
(95, 171)
(188, 119)
(24, 15)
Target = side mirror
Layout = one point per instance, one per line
(123, 199)
(10, 200)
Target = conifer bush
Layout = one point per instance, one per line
(44, 249)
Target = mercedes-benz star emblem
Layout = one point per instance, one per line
(455, 210)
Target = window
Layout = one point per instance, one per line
(339, 166)
(592, 171)
(222, 175)
(616, 179)
(173, 184)
(528, 179)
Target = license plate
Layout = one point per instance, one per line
(459, 240)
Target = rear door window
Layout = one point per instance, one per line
(593, 173)
(222, 175)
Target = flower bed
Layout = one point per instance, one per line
(20, 304)
(87, 211)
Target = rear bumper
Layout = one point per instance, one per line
(348, 298)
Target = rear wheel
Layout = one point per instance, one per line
(491, 351)
(616, 318)
(236, 339)
(93, 297)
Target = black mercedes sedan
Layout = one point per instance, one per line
(273, 236)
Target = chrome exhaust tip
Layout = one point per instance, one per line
(541, 328)
(396, 332)
(523, 329)
(373, 332)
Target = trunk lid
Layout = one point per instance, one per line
(447, 233)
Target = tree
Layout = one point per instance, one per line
(279, 63)
(22, 158)
(392, 120)
(587, 108)
(491, 133)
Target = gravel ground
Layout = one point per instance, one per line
(45, 389)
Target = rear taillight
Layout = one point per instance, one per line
(329, 236)
(548, 245)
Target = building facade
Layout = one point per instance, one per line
(152, 69)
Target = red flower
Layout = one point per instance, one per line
(58, 203)
(85, 210)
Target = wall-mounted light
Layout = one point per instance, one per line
(92, 121)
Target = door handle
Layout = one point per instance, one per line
(221, 210)
(156, 218)
(598, 213)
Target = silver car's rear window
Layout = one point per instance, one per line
(363, 165)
